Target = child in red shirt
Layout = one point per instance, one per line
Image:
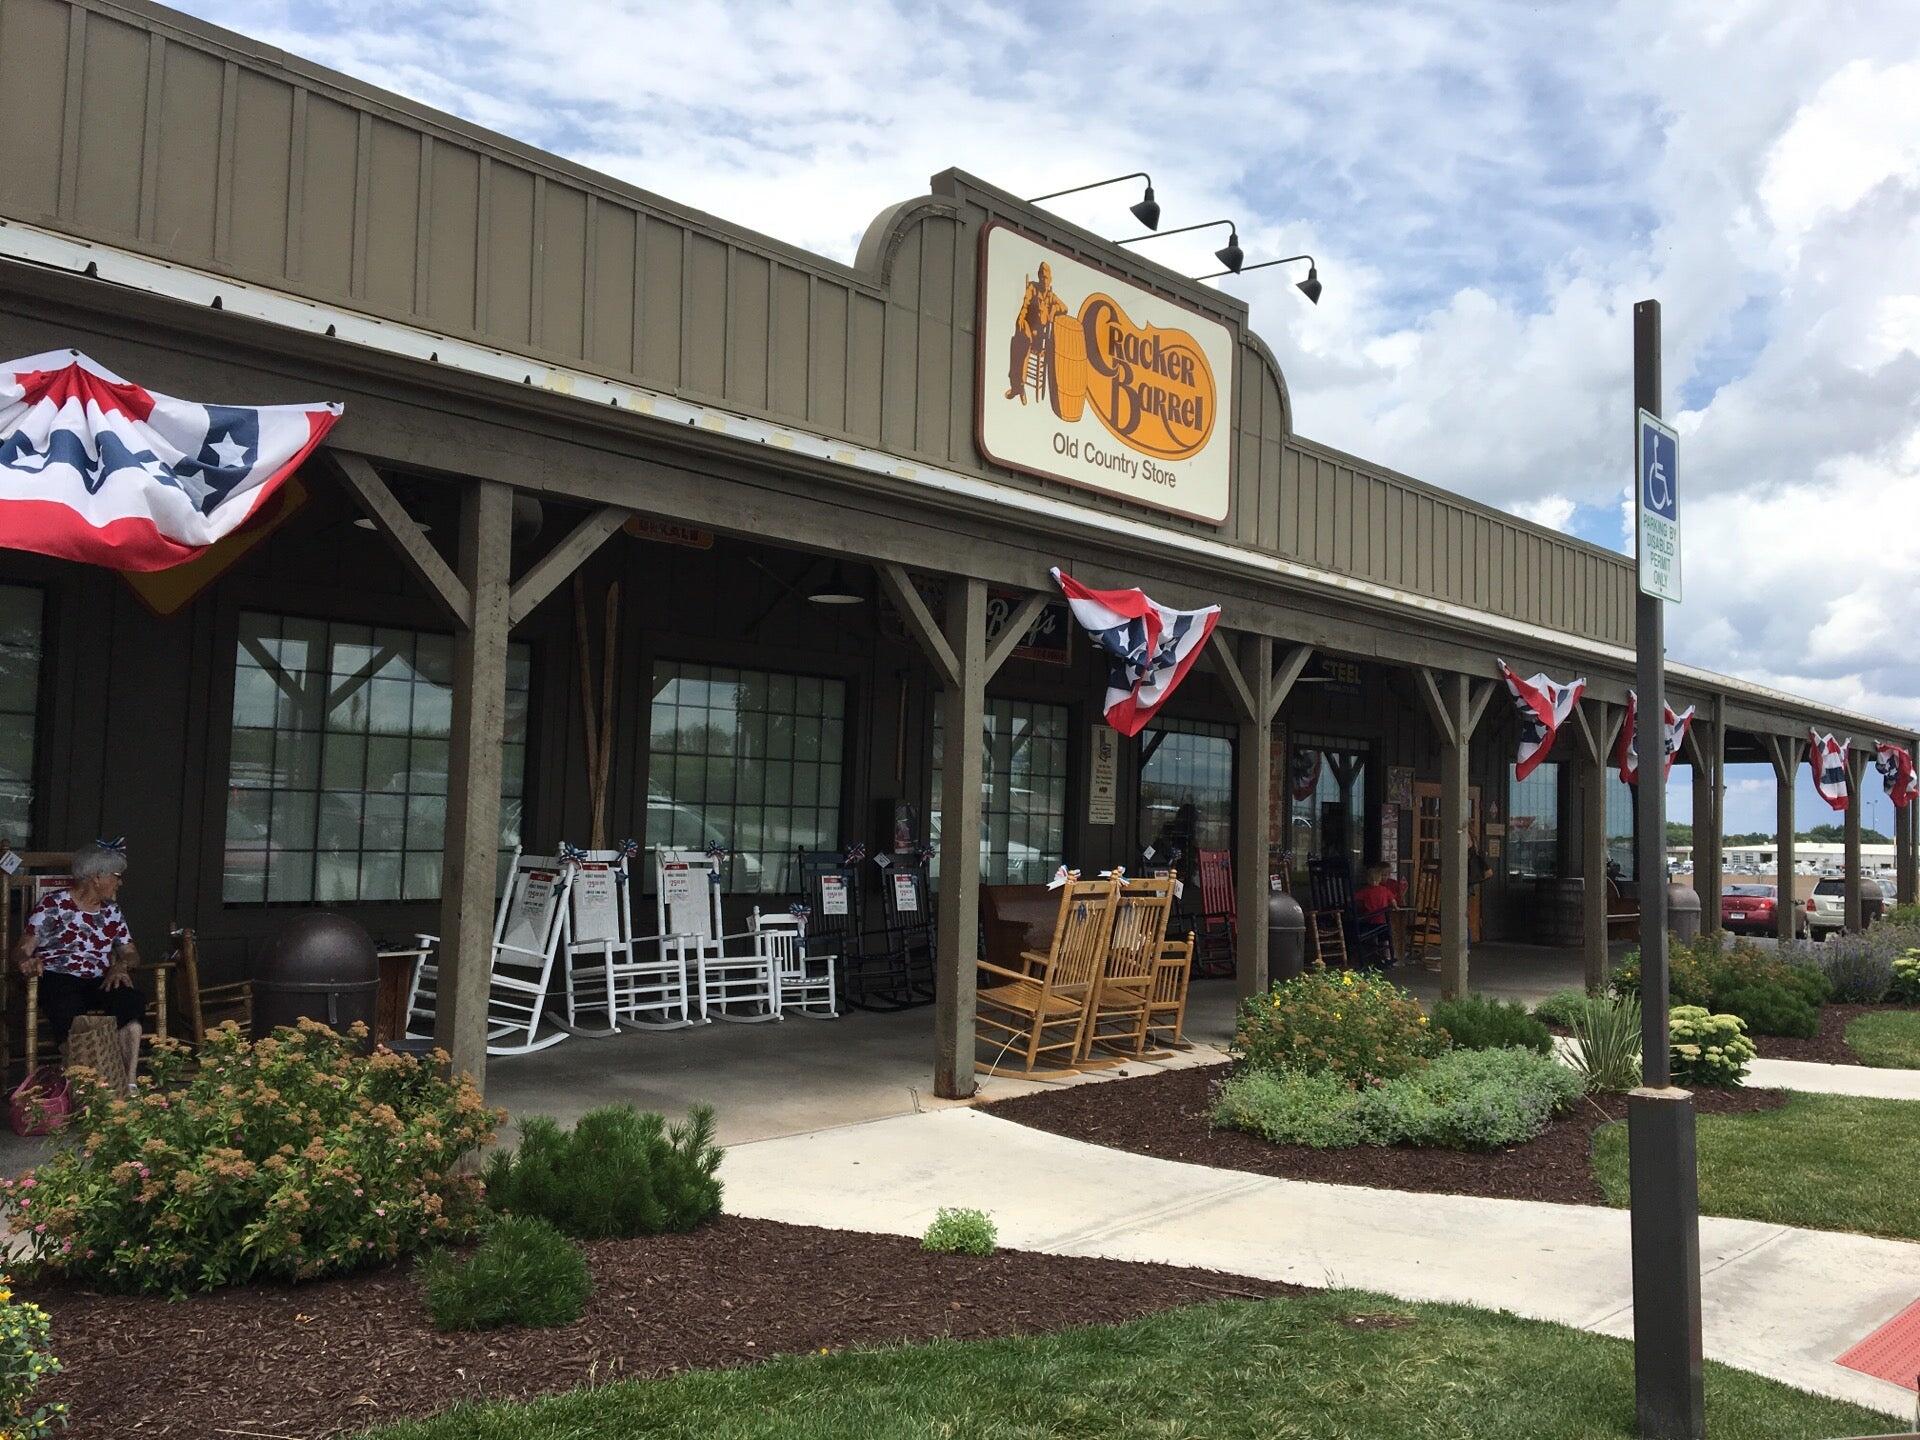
(1380, 894)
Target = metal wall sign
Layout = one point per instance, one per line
(1656, 463)
(1049, 639)
(1103, 781)
(1087, 378)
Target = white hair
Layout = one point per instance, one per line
(96, 859)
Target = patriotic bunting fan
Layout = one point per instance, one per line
(1544, 706)
(1149, 647)
(96, 469)
(1897, 774)
(1626, 750)
(1828, 760)
(1303, 772)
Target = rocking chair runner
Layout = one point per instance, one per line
(1219, 927)
(1117, 1020)
(1043, 1012)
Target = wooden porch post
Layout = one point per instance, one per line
(1706, 748)
(473, 779)
(1784, 753)
(1903, 852)
(1455, 704)
(1856, 767)
(1596, 749)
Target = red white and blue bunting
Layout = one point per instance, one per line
(1626, 750)
(1827, 757)
(96, 469)
(1149, 647)
(1895, 764)
(1544, 706)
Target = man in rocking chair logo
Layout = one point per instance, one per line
(1109, 385)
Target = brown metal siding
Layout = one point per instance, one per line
(136, 128)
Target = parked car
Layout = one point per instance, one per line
(1827, 907)
(1751, 909)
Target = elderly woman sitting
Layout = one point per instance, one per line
(78, 943)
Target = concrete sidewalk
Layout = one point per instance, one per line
(1835, 1079)
(1778, 1301)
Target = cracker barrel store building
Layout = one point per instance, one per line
(581, 425)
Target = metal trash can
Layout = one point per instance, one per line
(322, 967)
(1683, 912)
(1286, 937)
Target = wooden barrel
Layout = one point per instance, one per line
(1067, 358)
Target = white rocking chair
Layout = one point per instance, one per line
(602, 971)
(740, 987)
(803, 982)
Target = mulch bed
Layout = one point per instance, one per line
(1829, 1047)
(1165, 1115)
(334, 1357)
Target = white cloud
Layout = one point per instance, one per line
(1488, 191)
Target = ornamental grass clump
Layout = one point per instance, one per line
(1606, 1033)
(26, 1359)
(1708, 1049)
(616, 1174)
(282, 1159)
(959, 1231)
(1358, 1026)
(1476, 1022)
(524, 1273)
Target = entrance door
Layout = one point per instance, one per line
(1426, 841)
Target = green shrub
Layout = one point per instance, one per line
(961, 1232)
(1708, 1049)
(1359, 1026)
(1291, 1107)
(1479, 1023)
(1561, 1007)
(25, 1360)
(1769, 1010)
(617, 1173)
(1464, 1100)
(1606, 1030)
(1905, 986)
(1905, 916)
(523, 1273)
(283, 1159)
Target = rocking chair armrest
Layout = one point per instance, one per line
(1040, 960)
(993, 969)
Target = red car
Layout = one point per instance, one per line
(1749, 910)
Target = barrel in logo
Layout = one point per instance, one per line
(1069, 367)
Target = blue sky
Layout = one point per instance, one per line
(1488, 188)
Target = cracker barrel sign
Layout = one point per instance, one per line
(1091, 380)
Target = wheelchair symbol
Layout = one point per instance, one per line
(1659, 489)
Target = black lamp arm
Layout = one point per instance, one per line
(1114, 180)
(1162, 234)
(1287, 260)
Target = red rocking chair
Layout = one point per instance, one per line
(1215, 940)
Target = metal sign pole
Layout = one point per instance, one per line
(1667, 1352)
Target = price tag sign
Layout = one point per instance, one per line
(596, 905)
(833, 894)
(906, 898)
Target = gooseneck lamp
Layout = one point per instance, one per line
(1309, 287)
(1229, 255)
(1146, 210)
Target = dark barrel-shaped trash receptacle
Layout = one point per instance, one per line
(1683, 912)
(322, 967)
(1286, 937)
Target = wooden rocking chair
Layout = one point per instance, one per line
(1117, 1021)
(1423, 939)
(1043, 1011)
(1218, 936)
(1167, 1009)
(208, 1006)
(1330, 916)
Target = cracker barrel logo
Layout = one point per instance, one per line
(1152, 388)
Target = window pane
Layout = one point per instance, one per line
(1023, 791)
(721, 766)
(1533, 822)
(317, 807)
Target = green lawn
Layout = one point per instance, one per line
(1889, 1039)
(1332, 1365)
(1824, 1162)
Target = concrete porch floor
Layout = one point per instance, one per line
(803, 1075)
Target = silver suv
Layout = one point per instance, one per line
(1827, 910)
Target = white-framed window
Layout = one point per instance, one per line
(1023, 791)
(22, 623)
(337, 770)
(751, 760)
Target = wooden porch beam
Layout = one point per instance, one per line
(1477, 705)
(1220, 652)
(561, 561)
(1286, 677)
(1428, 686)
(402, 532)
(919, 620)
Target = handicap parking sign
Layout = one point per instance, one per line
(1656, 457)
